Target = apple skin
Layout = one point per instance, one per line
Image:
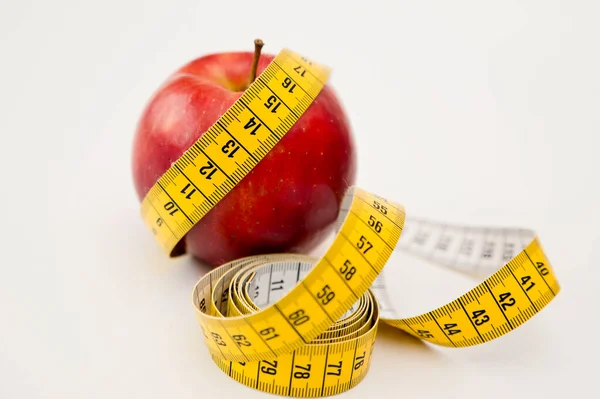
(288, 202)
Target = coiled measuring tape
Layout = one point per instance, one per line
(293, 325)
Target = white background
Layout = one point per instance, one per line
(465, 111)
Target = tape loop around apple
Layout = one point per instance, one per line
(297, 326)
(170, 212)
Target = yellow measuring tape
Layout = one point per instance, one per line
(297, 326)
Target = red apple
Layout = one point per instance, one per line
(289, 201)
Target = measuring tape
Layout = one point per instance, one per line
(294, 325)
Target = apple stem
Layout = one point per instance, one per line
(257, 47)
